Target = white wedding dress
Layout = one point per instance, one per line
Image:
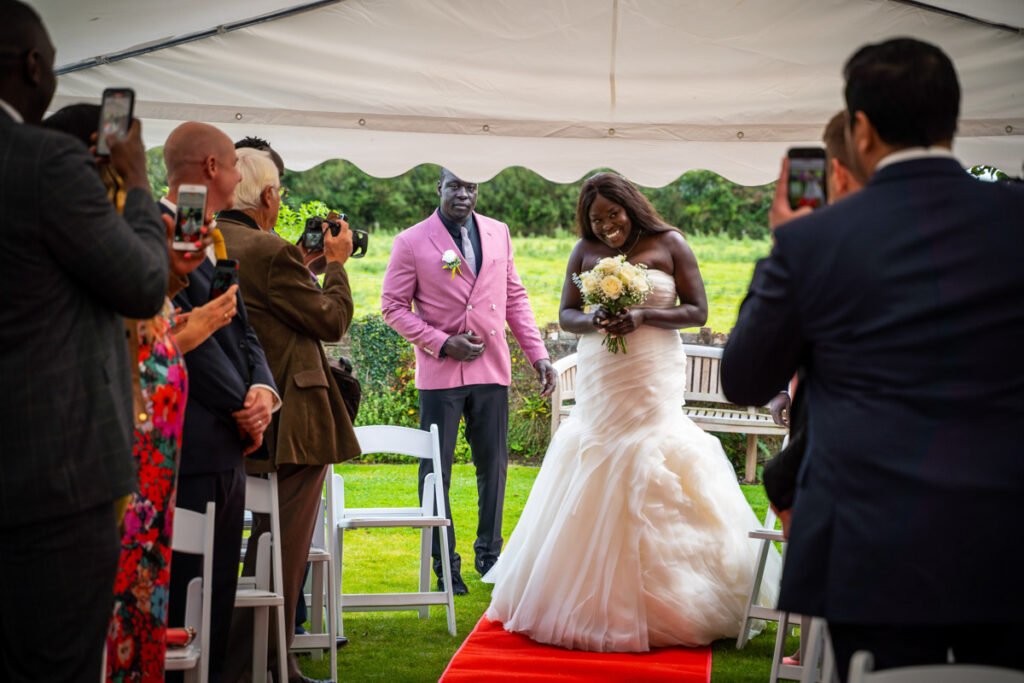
(635, 533)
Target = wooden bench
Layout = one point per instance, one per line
(703, 385)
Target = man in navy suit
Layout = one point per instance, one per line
(231, 392)
(902, 304)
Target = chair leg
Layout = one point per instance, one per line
(337, 591)
(755, 590)
(811, 661)
(316, 604)
(447, 567)
(750, 475)
(260, 628)
(425, 566)
(332, 617)
(282, 645)
(780, 647)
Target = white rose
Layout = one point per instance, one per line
(449, 257)
(629, 272)
(611, 286)
(606, 266)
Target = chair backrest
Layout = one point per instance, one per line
(193, 534)
(862, 665)
(703, 373)
(261, 496)
(404, 441)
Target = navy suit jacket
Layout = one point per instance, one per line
(904, 304)
(70, 267)
(220, 372)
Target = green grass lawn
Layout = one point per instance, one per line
(397, 646)
(725, 263)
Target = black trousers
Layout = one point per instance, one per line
(485, 408)
(902, 645)
(227, 490)
(57, 578)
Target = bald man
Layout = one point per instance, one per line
(70, 267)
(231, 392)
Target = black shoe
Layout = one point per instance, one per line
(340, 642)
(484, 564)
(459, 586)
(307, 679)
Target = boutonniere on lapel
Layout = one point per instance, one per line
(450, 261)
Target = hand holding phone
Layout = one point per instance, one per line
(116, 110)
(189, 218)
(806, 178)
(225, 274)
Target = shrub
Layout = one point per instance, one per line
(385, 365)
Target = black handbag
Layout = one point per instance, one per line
(351, 389)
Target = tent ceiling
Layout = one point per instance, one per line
(649, 87)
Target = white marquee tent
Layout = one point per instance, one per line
(651, 88)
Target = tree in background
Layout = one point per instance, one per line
(698, 202)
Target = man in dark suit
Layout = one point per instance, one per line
(231, 392)
(292, 316)
(902, 302)
(70, 267)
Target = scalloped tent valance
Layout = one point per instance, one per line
(651, 88)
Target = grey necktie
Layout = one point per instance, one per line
(467, 249)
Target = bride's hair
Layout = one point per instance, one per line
(615, 188)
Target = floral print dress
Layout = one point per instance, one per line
(136, 640)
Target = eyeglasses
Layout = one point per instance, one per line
(282, 192)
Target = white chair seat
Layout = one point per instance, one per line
(392, 521)
(254, 597)
(181, 658)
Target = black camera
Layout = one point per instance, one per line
(313, 234)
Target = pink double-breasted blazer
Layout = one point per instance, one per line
(424, 304)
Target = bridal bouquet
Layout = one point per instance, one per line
(614, 285)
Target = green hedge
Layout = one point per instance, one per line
(384, 363)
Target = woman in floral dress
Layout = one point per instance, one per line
(136, 642)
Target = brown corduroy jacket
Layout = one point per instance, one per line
(292, 315)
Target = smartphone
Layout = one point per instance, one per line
(115, 116)
(225, 274)
(188, 220)
(806, 180)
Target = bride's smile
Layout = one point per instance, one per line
(610, 222)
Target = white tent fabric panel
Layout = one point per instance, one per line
(651, 88)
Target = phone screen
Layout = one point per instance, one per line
(115, 117)
(188, 221)
(224, 275)
(806, 182)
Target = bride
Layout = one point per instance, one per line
(635, 532)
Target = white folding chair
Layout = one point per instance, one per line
(425, 446)
(193, 534)
(862, 666)
(265, 590)
(766, 535)
(323, 596)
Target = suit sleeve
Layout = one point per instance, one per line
(121, 261)
(764, 347)
(296, 300)
(396, 300)
(519, 314)
(259, 368)
(212, 378)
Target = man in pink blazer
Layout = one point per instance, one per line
(450, 287)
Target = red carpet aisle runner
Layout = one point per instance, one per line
(493, 654)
